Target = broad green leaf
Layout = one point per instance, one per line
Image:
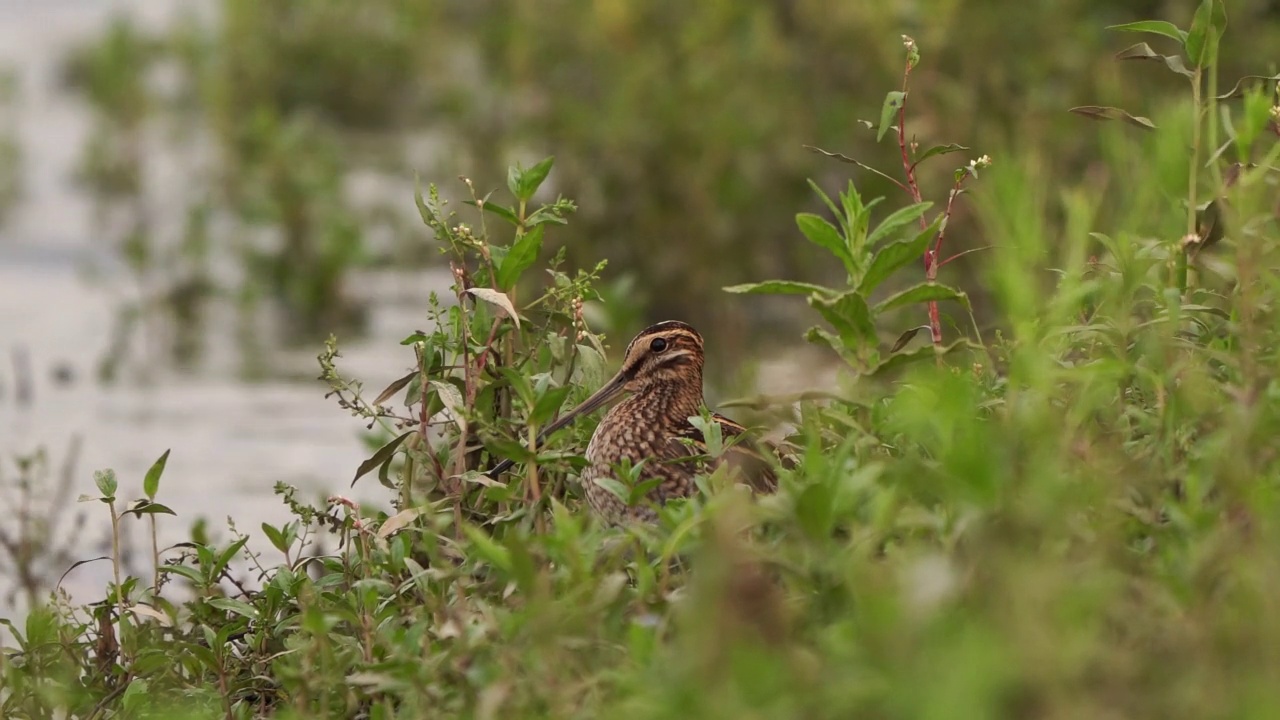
(1206, 30)
(548, 403)
(383, 454)
(276, 536)
(824, 235)
(151, 483)
(895, 255)
(896, 219)
(892, 103)
(924, 352)
(106, 482)
(185, 571)
(1155, 27)
(924, 292)
(531, 179)
(523, 253)
(146, 507)
(238, 607)
(778, 287)
(224, 558)
(513, 180)
(849, 315)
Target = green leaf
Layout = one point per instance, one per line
(896, 219)
(896, 255)
(224, 558)
(924, 292)
(824, 235)
(1102, 112)
(1206, 30)
(524, 252)
(548, 403)
(239, 607)
(185, 571)
(892, 103)
(276, 536)
(778, 287)
(501, 211)
(906, 337)
(924, 352)
(106, 482)
(815, 510)
(531, 179)
(939, 150)
(849, 315)
(1155, 27)
(383, 454)
(513, 180)
(489, 550)
(146, 507)
(151, 483)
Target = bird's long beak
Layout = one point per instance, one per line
(610, 390)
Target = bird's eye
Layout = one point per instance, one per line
(658, 345)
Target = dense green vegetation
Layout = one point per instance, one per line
(1073, 514)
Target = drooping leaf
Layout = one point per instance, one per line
(501, 211)
(1143, 51)
(906, 337)
(845, 158)
(151, 483)
(1101, 112)
(500, 299)
(924, 292)
(895, 255)
(892, 103)
(146, 507)
(777, 287)
(524, 252)
(1155, 27)
(395, 387)
(1238, 89)
(383, 454)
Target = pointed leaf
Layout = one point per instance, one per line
(849, 315)
(513, 180)
(398, 521)
(452, 399)
(151, 483)
(531, 179)
(939, 150)
(1156, 27)
(824, 235)
(383, 454)
(493, 297)
(146, 507)
(501, 211)
(892, 103)
(845, 158)
(524, 252)
(548, 404)
(777, 287)
(895, 255)
(394, 387)
(1238, 89)
(239, 607)
(106, 482)
(924, 292)
(1206, 30)
(1101, 112)
(896, 219)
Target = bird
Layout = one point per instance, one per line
(661, 376)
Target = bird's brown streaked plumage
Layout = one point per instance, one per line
(661, 376)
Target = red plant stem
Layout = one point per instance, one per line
(930, 256)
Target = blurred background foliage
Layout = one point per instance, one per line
(678, 127)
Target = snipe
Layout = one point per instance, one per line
(662, 375)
